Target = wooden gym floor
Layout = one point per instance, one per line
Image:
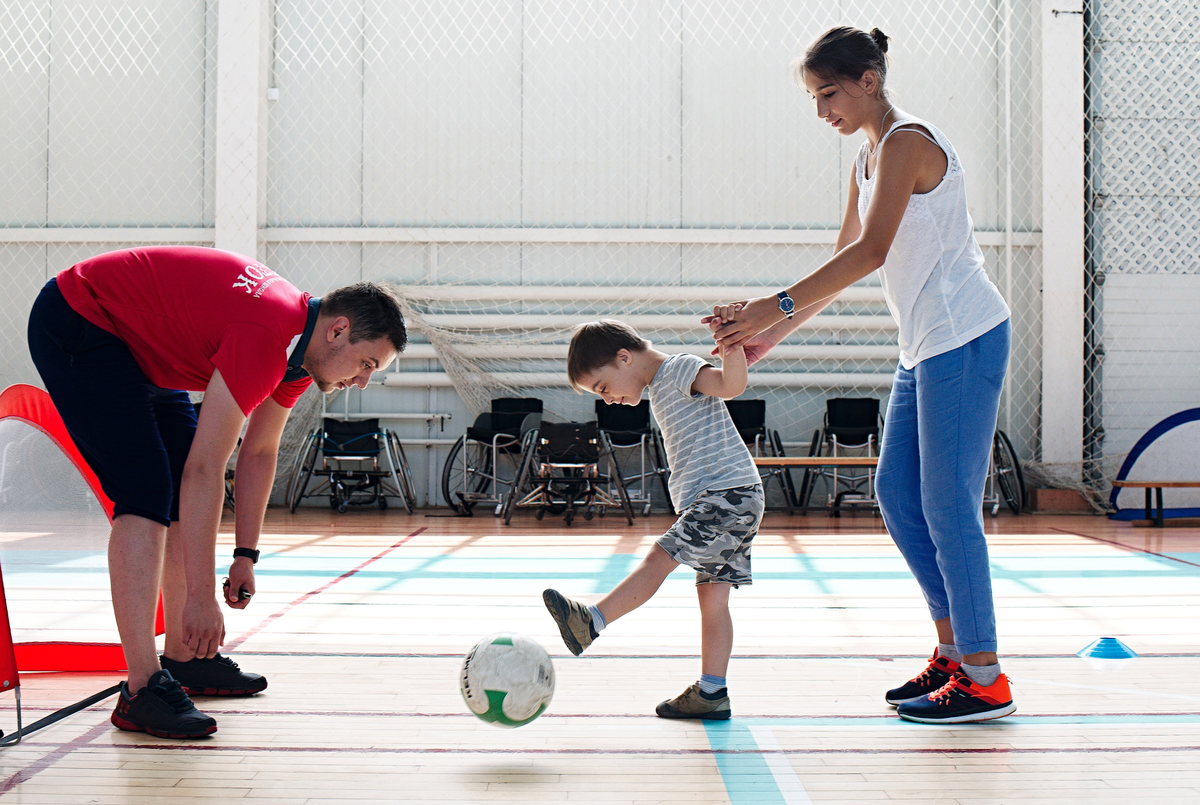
(361, 621)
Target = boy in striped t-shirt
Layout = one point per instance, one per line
(714, 485)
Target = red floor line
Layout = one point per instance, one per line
(449, 750)
(545, 716)
(233, 644)
(49, 759)
(1131, 548)
(426, 655)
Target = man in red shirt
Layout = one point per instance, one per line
(119, 341)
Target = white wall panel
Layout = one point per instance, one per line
(601, 114)
(442, 118)
(127, 113)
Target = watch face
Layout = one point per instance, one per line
(787, 305)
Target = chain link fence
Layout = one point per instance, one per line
(520, 166)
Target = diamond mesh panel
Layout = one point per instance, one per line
(1144, 214)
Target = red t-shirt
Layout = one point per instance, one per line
(185, 311)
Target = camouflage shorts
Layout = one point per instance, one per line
(713, 535)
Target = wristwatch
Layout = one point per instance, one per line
(249, 553)
(786, 304)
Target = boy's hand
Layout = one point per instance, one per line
(722, 314)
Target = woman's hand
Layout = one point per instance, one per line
(743, 320)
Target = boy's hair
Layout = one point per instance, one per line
(373, 310)
(596, 344)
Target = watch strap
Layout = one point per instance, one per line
(249, 553)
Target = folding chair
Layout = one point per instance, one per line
(345, 457)
(561, 467)
(483, 463)
(627, 427)
(851, 427)
(750, 419)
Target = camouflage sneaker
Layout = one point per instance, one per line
(574, 621)
(695, 703)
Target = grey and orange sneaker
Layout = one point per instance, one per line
(936, 674)
(695, 703)
(574, 621)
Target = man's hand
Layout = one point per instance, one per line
(203, 625)
(240, 586)
(743, 320)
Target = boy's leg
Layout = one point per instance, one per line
(575, 621)
(639, 586)
(716, 625)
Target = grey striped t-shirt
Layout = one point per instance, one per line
(704, 449)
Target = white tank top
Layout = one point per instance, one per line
(933, 277)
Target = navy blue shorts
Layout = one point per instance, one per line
(134, 435)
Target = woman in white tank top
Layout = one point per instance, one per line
(907, 216)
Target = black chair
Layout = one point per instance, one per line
(482, 464)
(750, 419)
(851, 427)
(345, 456)
(561, 468)
(628, 428)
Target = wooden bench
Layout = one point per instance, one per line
(1158, 487)
(814, 462)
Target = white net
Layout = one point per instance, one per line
(53, 543)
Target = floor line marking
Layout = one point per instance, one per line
(1092, 749)
(233, 644)
(52, 757)
(786, 780)
(1130, 548)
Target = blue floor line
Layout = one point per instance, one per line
(748, 780)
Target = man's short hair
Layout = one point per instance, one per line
(596, 344)
(373, 310)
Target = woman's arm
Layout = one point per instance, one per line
(904, 160)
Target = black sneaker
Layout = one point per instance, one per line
(936, 674)
(961, 700)
(219, 676)
(161, 708)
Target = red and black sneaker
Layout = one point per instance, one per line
(162, 709)
(216, 676)
(936, 674)
(961, 700)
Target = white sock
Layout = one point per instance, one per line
(598, 622)
(949, 651)
(711, 684)
(984, 675)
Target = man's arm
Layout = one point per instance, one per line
(201, 498)
(255, 475)
(727, 382)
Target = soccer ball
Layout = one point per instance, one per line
(507, 679)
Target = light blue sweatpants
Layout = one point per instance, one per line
(933, 463)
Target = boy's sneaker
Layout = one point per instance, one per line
(961, 700)
(695, 703)
(574, 621)
(161, 708)
(218, 676)
(936, 674)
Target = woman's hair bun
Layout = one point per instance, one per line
(881, 39)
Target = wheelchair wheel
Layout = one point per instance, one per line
(403, 473)
(1008, 472)
(473, 479)
(302, 469)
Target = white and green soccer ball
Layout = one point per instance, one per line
(507, 679)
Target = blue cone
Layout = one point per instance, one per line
(1107, 648)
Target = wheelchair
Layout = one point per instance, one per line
(344, 456)
(483, 463)
(750, 419)
(560, 466)
(628, 428)
(1005, 481)
(851, 428)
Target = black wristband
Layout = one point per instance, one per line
(249, 553)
